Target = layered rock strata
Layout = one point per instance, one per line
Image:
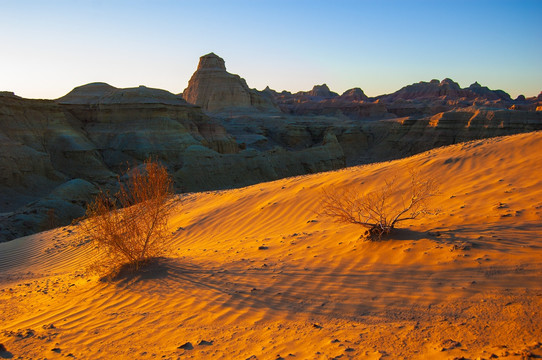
(215, 89)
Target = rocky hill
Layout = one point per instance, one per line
(56, 154)
(215, 89)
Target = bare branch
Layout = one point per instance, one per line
(138, 231)
(377, 210)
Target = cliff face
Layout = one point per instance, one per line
(420, 99)
(204, 169)
(397, 138)
(43, 145)
(88, 137)
(215, 89)
(129, 125)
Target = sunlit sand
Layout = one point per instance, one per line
(256, 273)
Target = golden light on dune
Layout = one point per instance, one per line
(256, 274)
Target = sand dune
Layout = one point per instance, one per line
(256, 273)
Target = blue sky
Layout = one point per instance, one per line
(50, 47)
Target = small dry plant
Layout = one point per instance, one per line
(381, 210)
(130, 228)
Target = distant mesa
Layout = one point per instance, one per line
(487, 94)
(446, 89)
(215, 89)
(8, 93)
(322, 91)
(102, 93)
(427, 90)
(211, 61)
(355, 94)
(89, 93)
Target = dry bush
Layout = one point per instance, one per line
(131, 227)
(379, 211)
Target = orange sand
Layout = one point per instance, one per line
(316, 291)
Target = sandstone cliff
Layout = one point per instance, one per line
(446, 89)
(396, 138)
(88, 137)
(420, 99)
(215, 89)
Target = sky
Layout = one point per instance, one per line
(49, 47)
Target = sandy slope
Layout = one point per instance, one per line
(315, 291)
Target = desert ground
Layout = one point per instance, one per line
(257, 273)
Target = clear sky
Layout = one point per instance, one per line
(49, 47)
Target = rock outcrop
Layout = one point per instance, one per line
(355, 94)
(434, 89)
(91, 135)
(426, 98)
(321, 100)
(204, 169)
(420, 99)
(65, 203)
(485, 93)
(215, 89)
(398, 138)
(42, 147)
(321, 91)
(129, 125)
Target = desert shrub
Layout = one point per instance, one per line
(130, 228)
(380, 211)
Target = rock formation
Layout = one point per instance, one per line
(420, 99)
(322, 101)
(394, 139)
(130, 125)
(321, 91)
(91, 135)
(355, 94)
(434, 89)
(215, 89)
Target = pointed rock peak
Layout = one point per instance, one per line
(449, 82)
(475, 85)
(322, 91)
(323, 87)
(211, 61)
(353, 91)
(268, 90)
(354, 94)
